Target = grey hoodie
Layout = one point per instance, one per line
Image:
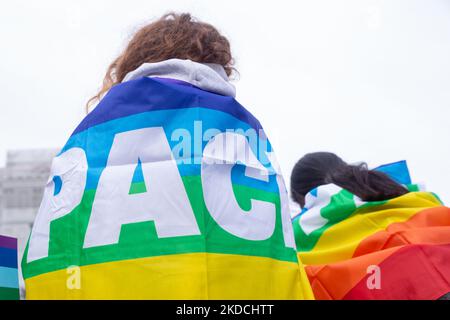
(209, 76)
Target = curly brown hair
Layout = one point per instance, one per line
(172, 36)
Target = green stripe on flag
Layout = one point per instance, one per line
(139, 240)
(9, 294)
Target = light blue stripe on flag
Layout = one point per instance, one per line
(398, 171)
(9, 278)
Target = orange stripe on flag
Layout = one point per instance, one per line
(429, 226)
(333, 281)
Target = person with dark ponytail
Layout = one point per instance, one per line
(321, 168)
(369, 234)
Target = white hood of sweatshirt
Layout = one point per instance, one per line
(209, 76)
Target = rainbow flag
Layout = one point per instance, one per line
(9, 276)
(395, 249)
(144, 202)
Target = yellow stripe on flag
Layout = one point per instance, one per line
(180, 276)
(340, 241)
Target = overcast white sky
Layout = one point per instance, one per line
(369, 80)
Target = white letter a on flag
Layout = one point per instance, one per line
(165, 201)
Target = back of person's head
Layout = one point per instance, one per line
(321, 168)
(173, 36)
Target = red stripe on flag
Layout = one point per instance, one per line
(416, 272)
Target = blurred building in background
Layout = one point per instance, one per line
(22, 183)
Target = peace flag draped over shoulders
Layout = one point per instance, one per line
(395, 249)
(145, 202)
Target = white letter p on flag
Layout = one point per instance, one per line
(71, 170)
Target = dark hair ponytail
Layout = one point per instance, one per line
(320, 168)
(369, 185)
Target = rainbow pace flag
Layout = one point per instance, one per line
(395, 249)
(9, 276)
(144, 202)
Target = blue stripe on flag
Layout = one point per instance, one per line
(149, 94)
(9, 278)
(8, 258)
(398, 171)
(97, 141)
